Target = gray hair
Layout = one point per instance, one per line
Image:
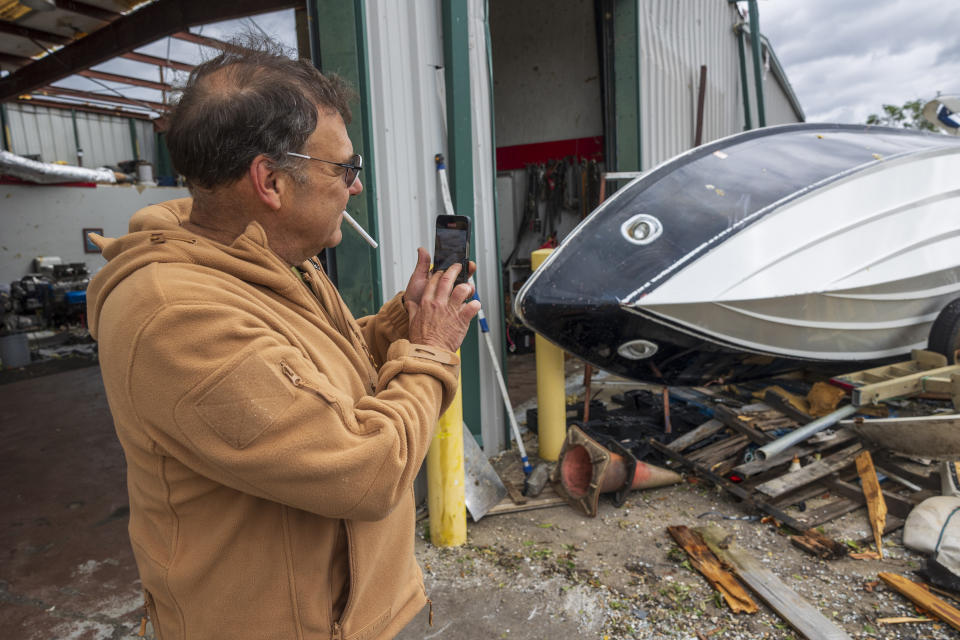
(251, 99)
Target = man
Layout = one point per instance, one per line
(271, 440)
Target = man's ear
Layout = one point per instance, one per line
(265, 180)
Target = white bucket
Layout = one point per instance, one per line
(14, 350)
(145, 173)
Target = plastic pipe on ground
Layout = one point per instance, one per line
(446, 492)
(551, 395)
(782, 444)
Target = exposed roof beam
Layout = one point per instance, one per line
(88, 10)
(186, 36)
(120, 113)
(113, 77)
(154, 21)
(160, 62)
(10, 58)
(89, 95)
(32, 34)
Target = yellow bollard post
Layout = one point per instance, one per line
(551, 396)
(446, 498)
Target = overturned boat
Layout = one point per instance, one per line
(772, 249)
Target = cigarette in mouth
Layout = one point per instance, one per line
(364, 234)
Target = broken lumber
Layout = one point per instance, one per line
(786, 602)
(814, 542)
(876, 507)
(917, 594)
(811, 472)
(702, 432)
(707, 564)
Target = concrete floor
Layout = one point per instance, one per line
(68, 571)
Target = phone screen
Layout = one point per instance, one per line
(452, 244)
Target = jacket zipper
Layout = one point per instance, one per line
(338, 625)
(346, 330)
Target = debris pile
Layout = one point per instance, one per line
(795, 455)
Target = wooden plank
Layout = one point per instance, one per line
(876, 506)
(702, 432)
(757, 466)
(811, 472)
(896, 505)
(733, 420)
(707, 564)
(547, 498)
(788, 604)
(731, 488)
(830, 511)
(816, 543)
(784, 406)
(917, 594)
(719, 450)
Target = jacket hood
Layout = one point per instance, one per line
(157, 236)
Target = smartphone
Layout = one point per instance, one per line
(452, 245)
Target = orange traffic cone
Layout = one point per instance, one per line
(586, 469)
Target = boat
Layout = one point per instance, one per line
(778, 248)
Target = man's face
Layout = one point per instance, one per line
(317, 203)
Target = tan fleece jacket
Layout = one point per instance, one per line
(271, 440)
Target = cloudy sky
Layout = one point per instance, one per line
(846, 58)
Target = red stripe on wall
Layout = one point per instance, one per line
(520, 155)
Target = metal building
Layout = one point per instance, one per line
(494, 85)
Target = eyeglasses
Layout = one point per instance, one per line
(352, 168)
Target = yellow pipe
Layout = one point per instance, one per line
(446, 499)
(551, 396)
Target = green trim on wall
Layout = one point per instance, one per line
(456, 71)
(748, 122)
(5, 129)
(164, 163)
(134, 143)
(626, 63)
(343, 50)
(755, 50)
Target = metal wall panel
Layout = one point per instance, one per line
(778, 96)
(676, 38)
(105, 140)
(408, 110)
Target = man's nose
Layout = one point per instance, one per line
(356, 187)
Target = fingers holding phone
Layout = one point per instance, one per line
(442, 315)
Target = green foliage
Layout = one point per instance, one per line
(907, 116)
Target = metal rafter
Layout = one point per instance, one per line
(114, 77)
(140, 115)
(89, 95)
(196, 38)
(33, 34)
(154, 21)
(160, 62)
(88, 10)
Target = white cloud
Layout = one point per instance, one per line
(846, 59)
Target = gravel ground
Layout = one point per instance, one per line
(556, 573)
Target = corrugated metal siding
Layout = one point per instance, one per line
(485, 226)
(777, 106)
(105, 140)
(676, 37)
(409, 125)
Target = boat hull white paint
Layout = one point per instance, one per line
(851, 266)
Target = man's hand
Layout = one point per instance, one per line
(421, 274)
(441, 318)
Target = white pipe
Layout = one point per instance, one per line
(787, 441)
